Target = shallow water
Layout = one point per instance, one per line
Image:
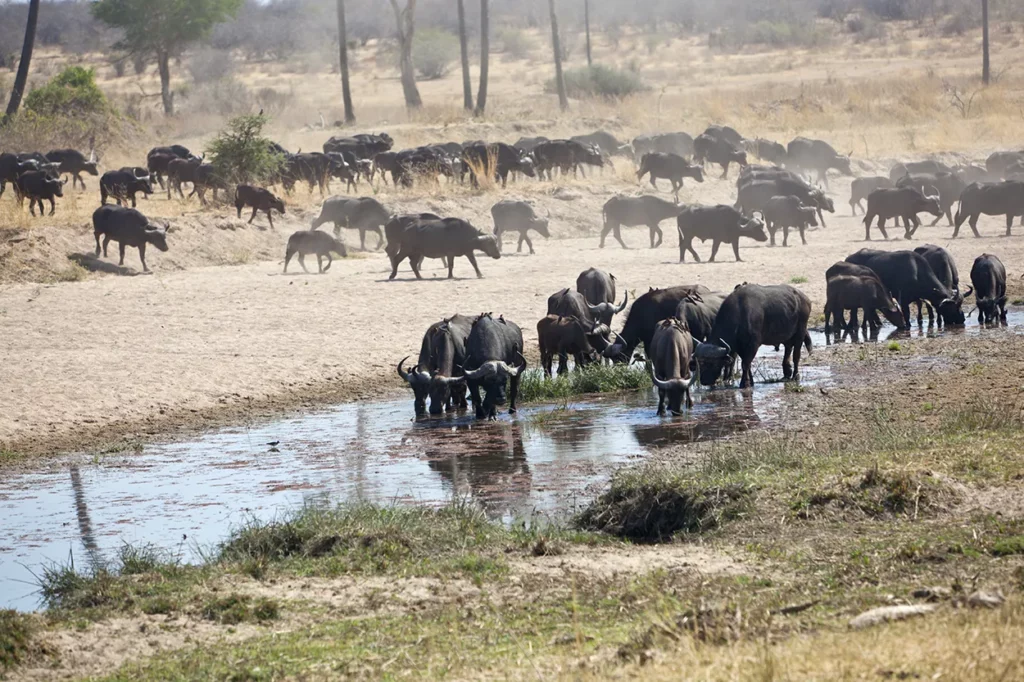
(187, 496)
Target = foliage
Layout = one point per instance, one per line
(72, 92)
(600, 81)
(241, 154)
(208, 66)
(534, 386)
(434, 51)
(225, 97)
(15, 638)
(516, 43)
(240, 608)
(166, 26)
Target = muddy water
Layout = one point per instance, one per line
(186, 496)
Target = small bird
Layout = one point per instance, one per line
(274, 443)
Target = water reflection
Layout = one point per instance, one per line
(92, 549)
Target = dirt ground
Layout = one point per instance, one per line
(111, 357)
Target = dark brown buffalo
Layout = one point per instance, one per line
(768, 150)
(37, 186)
(123, 185)
(517, 216)
(438, 374)
(598, 290)
(564, 336)
(861, 189)
(842, 268)
(850, 292)
(911, 167)
(620, 211)
(647, 311)
(720, 224)
(902, 202)
(445, 238)
(666, 143)
(74, 163)
(671, 167)
(750, 317)
(180, 171)
(699, 311)
(494, 360)
(998, 162)
(988, 275)
(127, 227)
(260, 199)
(496, 161)
(990, 198)
(948, 185)
(671, 352)
(909, 278)
(365, 214)
(816, 156)
(707, 149)
(306, 242)
(755, 190)
(787, 212)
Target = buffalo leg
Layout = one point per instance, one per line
(1009, 220)
(796, 359)
(362, 239)
(821, 217)
(973, 222)
(787, 364)
(803, 238)
(604, 233)
(142, 256)
(330, 261)
(320, 263)
(736, 250)
(106, 240)
(522, 238)
(513, 393)
(653, 230)
(120, 248)
(661, 402)
(685, 246)
(714, 250)
(53, 209)
(472, 261)
(725, 170)
(785, 235)
(881, 227)
(253, 216)
(414, 264)
(270, 218)
(867, 226)
(380, 237)
(545, 361)
(617, 233)
(287, 258)
(747, 381)
(302, 262)
(97, 235)
(474, 396)
(563, 363)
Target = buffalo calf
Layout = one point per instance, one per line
(306, 242)
(260, 199)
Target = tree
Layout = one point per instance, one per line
(563, 101)
(485, 49)
(467, 83)
(406, 20)
(21, 80)
(346, 93)
(163, 29)
(586, 19)
(985, 72)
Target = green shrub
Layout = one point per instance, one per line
(241, 154)
(72, 92)
(774, 34)
(516, 43)
(15, 638)
(600, 81)
(534, 386)
(240, 608)
(434, 51)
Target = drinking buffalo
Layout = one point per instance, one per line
(567, 304)
(671, 350)
(564, 336)
(74, 163)
(37, 186)
(646, 210)
(260, 199)
(517, 216)
(445, 238)
(127, 227)
(719, 224)
(909, 278)
(817, 156)
(989, 279)
(647, 311)
(750, 317)
(671, 167)
(363, 214)
(306, 242)
(842, 268)
(990, 198)
(902, 202)
(787, 212)
(494, 360)
(850, 292)
(598, 289)
(699, 311)
(861, 189)
(438, 374)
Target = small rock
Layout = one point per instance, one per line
(985, 599)
(887, 614)
(932, 593)
(566, 194)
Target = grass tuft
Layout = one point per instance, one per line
(878, 494)
(239, 608)
(651, 504)
(799, 279)
(535, 387)
(16, 631)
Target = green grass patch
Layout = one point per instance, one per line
(799, 279)
(240, 608)
(1009, 546)
(535, 387)
(877, 494)
(16, 638)
(600, 81)
(894, 346)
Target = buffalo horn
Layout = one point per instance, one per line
(622, 307)
(970, 290)
(401, 372)
(483, 370)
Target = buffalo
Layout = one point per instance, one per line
(769, 150)
(948, 187)
(665, 143)
(180, 171)
(38, 186)
(750, 317)
(787, 212)
(566, 303)
(671, 351)
(438, 375)
(647, 311)
(989, 279)
(564, 336)
(756, 189)
(909, 278)
(598, 289)
(306, 242)
(495, 161)
(861, 189)
(817, 156)
(445, 238)
(911, 167)
(123, 185)
(74, 163)
(901, 202)
(850, 292)
(606, 143)
(998, 162)
(719, 224)
(671, 167)
(365, 214)
(517, 216)
(260, 199)
(990, 198)
(707, 149)
(698, 312)
(127, 227)
(494, 360)
(646, 210)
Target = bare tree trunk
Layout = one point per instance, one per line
(485, 52)
(406, 20)
(563, 101)
(586, 19)
(986, 74)
(163, 63)
(21, 80)
(467, 84)
(346, 92)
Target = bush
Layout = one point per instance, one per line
(600, 81)
(207, 66)
(434, 51)
(865, 28)
(241, 154)
(960, 23)
(516, 43)
(16, 631)
(591, 379)
(226, 97)
(72, 92)
(777, 34)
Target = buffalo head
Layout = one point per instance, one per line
(754, 228)
(842, 164)
(488, 243)
(419, 382)
(493, 377)
(157, 236)
(673, 389)
(604, 311)
(712, 362)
